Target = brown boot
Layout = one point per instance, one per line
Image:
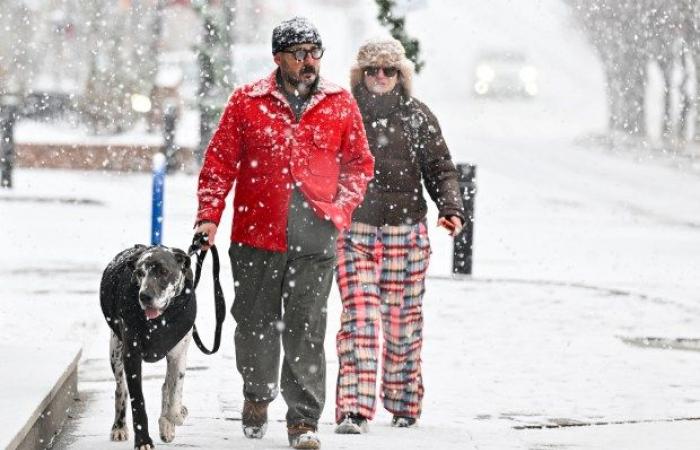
(303, 436)
(254, 419)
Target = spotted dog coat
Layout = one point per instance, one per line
(148, 300)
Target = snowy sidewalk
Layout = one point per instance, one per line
(549, 355)
(504, 351)
(39, 382)
(212, 394)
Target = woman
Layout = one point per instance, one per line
(383, 257)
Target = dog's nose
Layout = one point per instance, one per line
(145, 298)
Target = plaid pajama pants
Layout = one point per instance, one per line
(381, 276)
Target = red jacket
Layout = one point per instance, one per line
(261, 147)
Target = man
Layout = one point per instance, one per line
(383, 257)
(296, 147)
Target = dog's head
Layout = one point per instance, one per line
(160, 273)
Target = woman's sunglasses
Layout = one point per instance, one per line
(388, 71)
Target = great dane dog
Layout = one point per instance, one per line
(148, 300)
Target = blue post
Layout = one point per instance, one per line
(159, 163)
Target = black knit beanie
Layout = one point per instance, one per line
(298, 30)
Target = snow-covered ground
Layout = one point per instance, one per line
(576, 247)
(513, 346)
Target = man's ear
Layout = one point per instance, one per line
(277, 58)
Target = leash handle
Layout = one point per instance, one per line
(198, 241)
(219, 301)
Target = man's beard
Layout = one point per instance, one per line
(302, 87)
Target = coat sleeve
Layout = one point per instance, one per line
(439, 173)
(356, 164)
(221, 164)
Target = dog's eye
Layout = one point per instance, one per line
(139, 273)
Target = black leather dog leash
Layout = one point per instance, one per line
(219, 301)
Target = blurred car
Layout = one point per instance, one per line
(45, 105)
(504, 74)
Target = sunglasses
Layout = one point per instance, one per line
(388, 71)
(300, 55)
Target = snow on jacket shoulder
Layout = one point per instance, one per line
(260, 145)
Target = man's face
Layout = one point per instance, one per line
(301, 74)
(378, 81)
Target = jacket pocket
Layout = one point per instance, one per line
(323, 155)
(324, 166)
(326, 139)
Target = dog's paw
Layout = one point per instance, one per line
(119, 434)
(143, 442)
(167, 429)
(178, 417)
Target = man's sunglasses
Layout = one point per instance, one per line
(300, 55)
(388, 71)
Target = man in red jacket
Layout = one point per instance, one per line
(295, 145)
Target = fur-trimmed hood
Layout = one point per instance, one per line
(385, 52)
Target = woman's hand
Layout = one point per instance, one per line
(453, 224)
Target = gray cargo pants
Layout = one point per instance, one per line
(285, 295)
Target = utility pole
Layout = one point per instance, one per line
(9, 109)
(215, 65)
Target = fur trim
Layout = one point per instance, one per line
(385, 53)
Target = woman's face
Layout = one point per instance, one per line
(380, 80)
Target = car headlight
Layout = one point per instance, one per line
(481, 87)
(528, 74)
(485, 73)
(140, 103)
(531, 89)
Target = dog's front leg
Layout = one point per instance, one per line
(132, 368)
(174, 412)
(120, 432)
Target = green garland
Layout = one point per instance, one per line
(396, 28)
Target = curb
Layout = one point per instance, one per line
(46, 421)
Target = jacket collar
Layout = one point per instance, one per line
(268, 86)
(375, 106)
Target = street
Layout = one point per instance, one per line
(580, 253)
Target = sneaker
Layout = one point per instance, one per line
(403, 422)
(352, 424)
(302, 435)
(254, 419)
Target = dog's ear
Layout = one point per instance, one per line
(134, 255)
(189, 275)
(182, 258)
(134, 271)
(132, 259)
(185, 262)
